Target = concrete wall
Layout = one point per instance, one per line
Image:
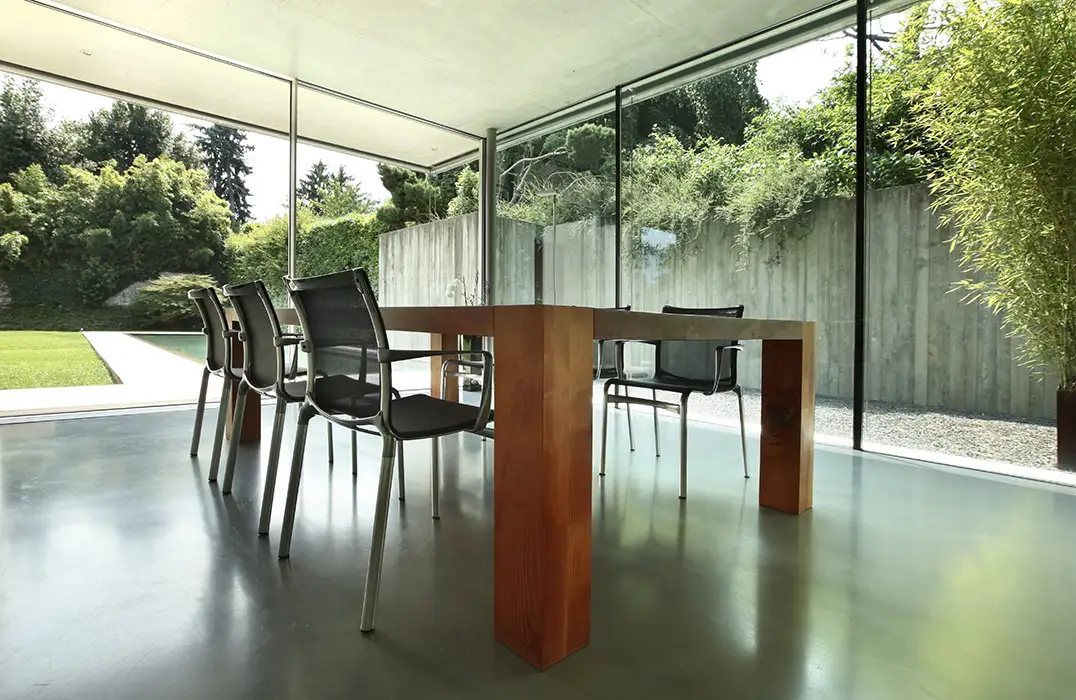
(926, 345)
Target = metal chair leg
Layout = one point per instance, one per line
(743, 431)
(199, 412)
(271, 468)
(354, 452)
(657, 440)
(377, 545)
(605, 429)
(435, 481)
(290, 506)
(631, 433)
(683, 446)
(233, 444)
(218, 438)
(330, 426)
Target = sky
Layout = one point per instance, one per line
(790, 77)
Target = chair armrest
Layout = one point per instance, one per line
(719, 355)
(389, 356)
(402, 355)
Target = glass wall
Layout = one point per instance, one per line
(947, 375)
(738, 190)
(555, 238)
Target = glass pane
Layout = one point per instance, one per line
(948, 378)
(555, 237)
(738, 190)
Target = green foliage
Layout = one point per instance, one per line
(328, 245)
(125, 131)
(416, 199)
(96, 282)
(999, 102)
(719, 107)
(260, 250)
(25, 137)
(309, 188)
(164, 301)
(224, 152)
(101, 232)
(11, 245)
(54, 318)
(466, 199)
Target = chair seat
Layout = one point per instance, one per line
(677, 385)
(421, 415)
(413, 417)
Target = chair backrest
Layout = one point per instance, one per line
(217, 348)
(342, 327)
(605, 354)
(694, 360)
(263, 359)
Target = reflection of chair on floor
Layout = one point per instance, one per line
(683, 367)
(349, 354)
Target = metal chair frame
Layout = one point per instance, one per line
(378, 415)
(681, 407)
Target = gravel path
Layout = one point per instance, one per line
(1002, 439)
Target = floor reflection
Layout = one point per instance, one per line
(124, 574)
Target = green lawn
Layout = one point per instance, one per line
(35, 359)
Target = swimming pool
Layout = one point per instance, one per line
(190, 345)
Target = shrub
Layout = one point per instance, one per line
(51, 318)
(164, 301)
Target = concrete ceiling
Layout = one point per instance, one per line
(467, 64)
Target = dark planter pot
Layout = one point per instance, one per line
(1066, 430)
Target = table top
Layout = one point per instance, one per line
(609, 324)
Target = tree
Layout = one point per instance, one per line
(224, 152)
(719, 107)
(416, 199)
(311, 187)
(341, 178)
(125, 131)
(24, 134)
(342, 198)
(466, 199)
(999, 104)
(99, 232)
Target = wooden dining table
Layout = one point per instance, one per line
(543, 457)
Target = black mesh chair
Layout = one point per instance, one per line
(349, 381)
(268, 372)
(683, 367)
(218, 361)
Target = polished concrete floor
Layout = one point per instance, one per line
(125, 575)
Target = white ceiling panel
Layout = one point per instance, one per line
(332, 120)
(63, 45)
(467, 64)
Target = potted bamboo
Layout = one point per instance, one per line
(997, 104)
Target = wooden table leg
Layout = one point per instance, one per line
(542, 480)
(452, 389)
(786, 478)
(252, 415)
